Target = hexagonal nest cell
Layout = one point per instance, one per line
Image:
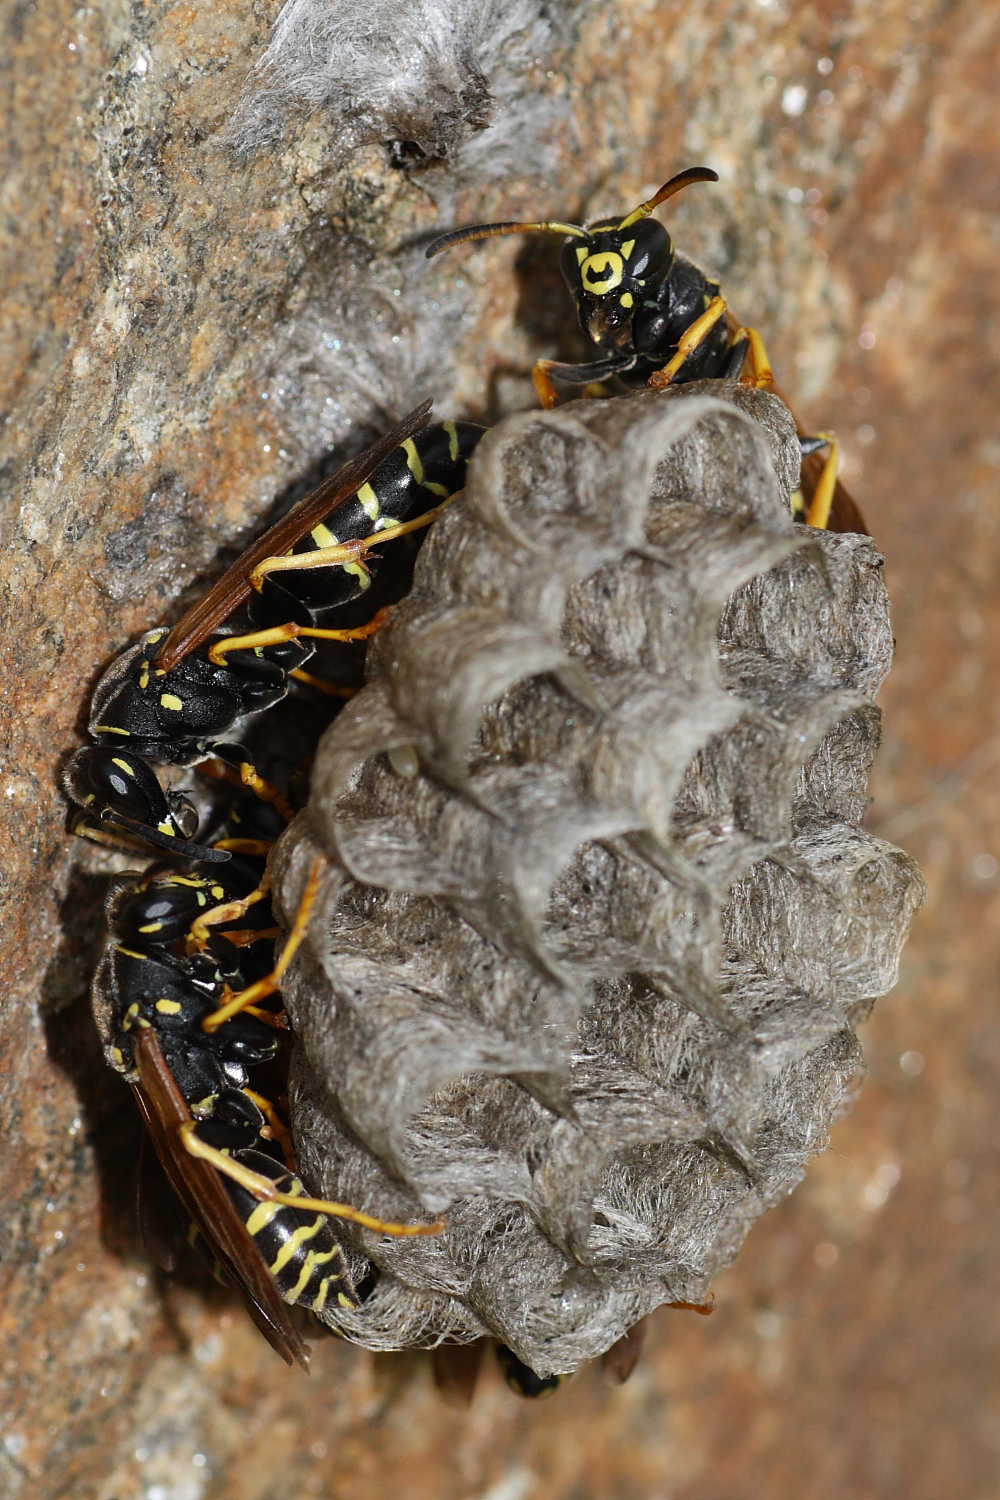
(597, 918)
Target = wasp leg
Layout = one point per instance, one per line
(817, 509)
(279, 1131)
(690, 340)
(758, 373)
(344, 552)
(264, 1188)
(544, 386)
(332, 689)
(259, 847)
(821, 503)
(276, 635)
(229, 911)
(271, 982)
(230, 766)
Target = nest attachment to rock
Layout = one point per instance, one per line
(598, 918)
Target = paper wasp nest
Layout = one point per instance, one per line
(587, 982)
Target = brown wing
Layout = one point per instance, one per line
(456, 1371)
(618, 1362)
(844, 513)
(156, 1209)
(225, 596)
(201, 1190)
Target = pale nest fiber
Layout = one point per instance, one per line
(587, 982)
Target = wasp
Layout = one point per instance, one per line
(190, 1034)
(652, 317)
(172, 697)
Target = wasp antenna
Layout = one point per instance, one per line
(682, 180)
(491, 231)
(205, 854)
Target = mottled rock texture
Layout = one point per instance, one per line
(589, 976)
(187, 331)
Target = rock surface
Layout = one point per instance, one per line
(187, 332)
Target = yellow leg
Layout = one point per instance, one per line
(276, 1127)
(332, 689)
(254, 782)
(759, 373)
(704, 1309)
(271, 982)
(264, 1188)
(229, 911)
(344, 552)
(690, 340)
(543, 383)
(245, 937)
(247, 775)
(820, 505)
(259, 847)
(278, 634)
(277, 1020)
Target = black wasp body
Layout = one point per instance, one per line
(148, 979)
(652, 317)
(636, 297)
(173, 705)
(155, 997)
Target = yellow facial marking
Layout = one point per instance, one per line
(601, 273)
(171, 701)
(627, 248)
(581, 255)
(627, 299)
(123, 765)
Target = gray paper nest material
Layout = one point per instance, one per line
(587, 982)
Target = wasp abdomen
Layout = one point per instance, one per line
(299, 1249)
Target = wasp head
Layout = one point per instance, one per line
(608, 274)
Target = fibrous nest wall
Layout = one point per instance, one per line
(598, 918)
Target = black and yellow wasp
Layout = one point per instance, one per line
(184, 998)
(652, 317)
(173, 697)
